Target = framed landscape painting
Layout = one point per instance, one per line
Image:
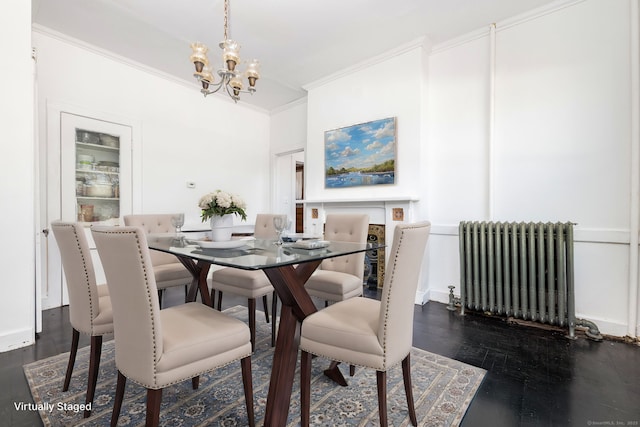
(362, 154)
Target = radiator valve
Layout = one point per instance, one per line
(592, 332)
(452, 299)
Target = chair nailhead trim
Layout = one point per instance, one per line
(92, 315)
(388, 295)
(150, 302)
(191, 376)
(146, 277)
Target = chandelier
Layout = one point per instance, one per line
(231, 79)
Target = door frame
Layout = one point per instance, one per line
(283, 193)
(50, 191)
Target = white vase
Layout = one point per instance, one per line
(221, 228)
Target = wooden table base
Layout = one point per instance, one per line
(288, 282)
(334, 373)
(296, 305)
(199, 270)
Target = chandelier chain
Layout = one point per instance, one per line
(226, 19)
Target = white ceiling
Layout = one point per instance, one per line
(296, 41)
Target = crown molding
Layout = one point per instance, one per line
(289, 105)
(46, 31)
(505, 24)
(421, 42)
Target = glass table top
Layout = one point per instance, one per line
(253, 254)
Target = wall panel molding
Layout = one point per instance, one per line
(582, 235)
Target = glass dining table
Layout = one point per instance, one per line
(288, 268)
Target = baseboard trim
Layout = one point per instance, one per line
(607, 327)
(422, 297)
(17, 339)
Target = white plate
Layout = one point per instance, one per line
(229, 244)
(311, 244)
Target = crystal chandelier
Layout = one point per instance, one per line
(231, 79)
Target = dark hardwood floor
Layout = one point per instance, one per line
(535, 377)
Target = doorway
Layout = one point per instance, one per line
(288, 194)
(299, 225)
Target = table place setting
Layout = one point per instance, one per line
(207, 243)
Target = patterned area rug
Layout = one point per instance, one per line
(443, 389)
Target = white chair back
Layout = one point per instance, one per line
(80, 274)
(402, 274)
(125, 257)
(264, 228)
(347, 228)
(154, 223)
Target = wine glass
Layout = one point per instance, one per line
(279, 223)
(177, 221)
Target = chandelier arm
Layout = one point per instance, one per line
(209, 91)
(217, 87)
(246, 91)
(231, 94)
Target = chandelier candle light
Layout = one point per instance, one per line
(231, 79)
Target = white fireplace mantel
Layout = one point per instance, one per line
(381, 210)
(363, 200)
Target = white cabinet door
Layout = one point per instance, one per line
(89, 180)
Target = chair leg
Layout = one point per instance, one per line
(117, 402)
(251, 303)
(75, 337)
(195, 382)
(186, 293)
(245, 363)
(381, 379)
(154, 398)
(219, 300)
(305, 388)
(352, 370)
(265, 307)
(406, 375)
(274, 310)
(94, 366)
(160, 292)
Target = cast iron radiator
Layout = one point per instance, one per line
(520, 270)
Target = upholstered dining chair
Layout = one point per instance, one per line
(157, 348)
(251, 284)
(89, 304)
(367, 332)
(168, 270)
(341, 278)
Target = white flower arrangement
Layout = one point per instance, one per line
(221, 203)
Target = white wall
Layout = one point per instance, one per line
(392, 87)
(184, 137)
(17, 154)
(556, 148)
(178, 136)
(287, 142)
(289, 128)
(458, 132)
(561, 147)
